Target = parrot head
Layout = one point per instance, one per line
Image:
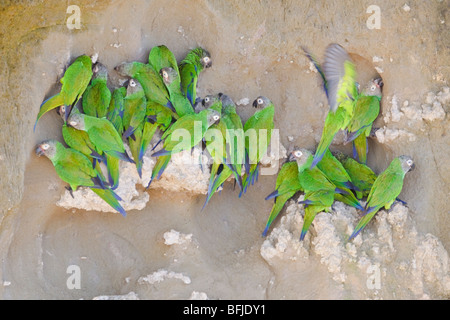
(261, 102)
(133, 87)
(373, 87)
(46, 148)
(210, 99)
(407, 163)
(301, 156)
(76, 120)
(168, 74)
(99, 71)
(205, 59)
(226, 100)
(213, 116)
(61, 111)
(124, 68)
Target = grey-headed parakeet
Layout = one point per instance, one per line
(74, 82)
(76, 169)
(385, 190)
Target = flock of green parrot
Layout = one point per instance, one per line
(161, 95)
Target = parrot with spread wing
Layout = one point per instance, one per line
(339, 76)
(76, 169)
(385, 190)
(74, 82)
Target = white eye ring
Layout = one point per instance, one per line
(216, 117)
(132, 83)
(298, 154)
(206, 59)
(373, 88)
(45, 146)
(206, 99)
(73, 123)
(409, 162)
(260, 101)
(63, 108)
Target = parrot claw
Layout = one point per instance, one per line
(68, 188)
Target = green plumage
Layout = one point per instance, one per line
(361, 175)
(190, 68)
(180, 103)
(76, 169)
(367, 108)
(286, 186)
(340, 74)
(337, 174)
(258, 132)
(385, 190)
(135, 107)
(97, 97)
(116, 109)
(151, 81)
(74, 83)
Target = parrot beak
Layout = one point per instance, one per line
(39, 151)
(255, 104)
(291, 157)
(412, 167)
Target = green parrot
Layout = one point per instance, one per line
(74, 83)
(157, 116)
(287, 185)
(366, 111)
(76, 169)
(258, 132)
(116, 109)
(161, 57)
(97, 96)
(234, 143)
(135, 107)
(77, 139)
(319, 189)
(235, 139)
(171, 79)
(337, 174)
(215, 136)
(361, 175)
(190, 129)
(152, 83)
(106, 139)
(385, 190)
(190, 67)
(135, 142)
(340, 82)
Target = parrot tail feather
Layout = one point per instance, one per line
(49, 104)
(162, 152)
(274, 194)
(128, 132)
(110, 197)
